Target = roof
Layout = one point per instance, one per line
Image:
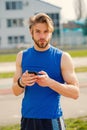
(52, 3)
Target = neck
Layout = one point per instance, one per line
(41, 49)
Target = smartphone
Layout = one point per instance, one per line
(32, 72)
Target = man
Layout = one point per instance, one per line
(43, 74)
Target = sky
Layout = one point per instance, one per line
(67, 11)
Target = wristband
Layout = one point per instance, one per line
(19, 83)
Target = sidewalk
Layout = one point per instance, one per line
(10, 66)
(5, 84)
(80, 61)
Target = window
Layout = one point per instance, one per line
(10, 40)
(16, 39)
(55, 18)
(19, 5)
(0, 40)
(8, 23)
(15, 22)
(13, 5)
(8, 5)
(21, 39)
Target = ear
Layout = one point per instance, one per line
(31, 31)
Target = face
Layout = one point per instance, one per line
(41, 35)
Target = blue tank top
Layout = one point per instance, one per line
(42, 102)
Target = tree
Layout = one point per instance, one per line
(80, 9)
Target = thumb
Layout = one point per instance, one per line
(42, 72)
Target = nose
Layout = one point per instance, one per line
(42, 35)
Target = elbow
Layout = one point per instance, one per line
(76, 96)
(16, 94)
(76, 93)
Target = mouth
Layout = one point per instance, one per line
(42, 40)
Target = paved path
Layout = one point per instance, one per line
(10, 107)
(78, 62)
(10, 66)
(5, 84)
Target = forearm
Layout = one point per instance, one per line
(17, 90)
(67, 90)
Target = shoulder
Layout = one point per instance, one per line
(66, 56)
(19, 58)
(66, 60)
(27, 51)
(19, 55)
(56, 50)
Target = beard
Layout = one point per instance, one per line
(41, 43)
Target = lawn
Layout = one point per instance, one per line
(71, 124)
(76, 123)
(6, 74)
(7, 57)
(78, 53)
(12, 57)
(11, 74)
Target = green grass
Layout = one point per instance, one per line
(81, 69)
(76, 123)
(12, 57)
(78, 53)
(7, 58)
(71, 124)
(11, 74)
(10, 127)
(6, 75)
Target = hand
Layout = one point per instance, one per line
(43, 79)
(28, 79)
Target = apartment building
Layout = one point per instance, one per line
(12, 14)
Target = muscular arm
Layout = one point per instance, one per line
(71, 87)
(26, 78)
(16, 89)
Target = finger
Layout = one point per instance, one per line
(42, 72)
(30, 84)
(31, 79)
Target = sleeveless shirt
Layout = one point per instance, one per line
(42, 102)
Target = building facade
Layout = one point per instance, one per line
(12, 14)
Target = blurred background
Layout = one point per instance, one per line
(70, 34)
(69, 17)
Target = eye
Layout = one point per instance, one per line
(46, 31)
(37, 31)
